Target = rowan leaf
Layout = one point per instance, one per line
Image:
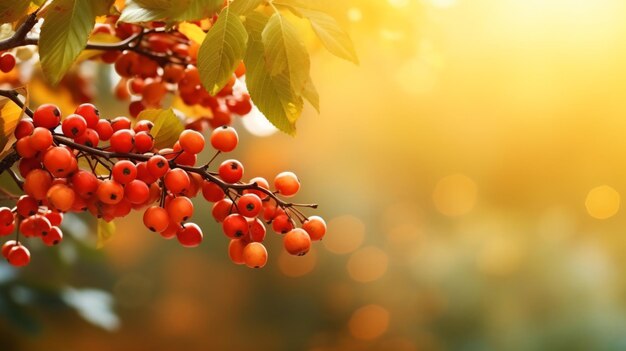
(168, 10)
(221, 51)
(10, 114)
(311, 95)
(285, 51)
(64, 35)
(329, 32)
(243, 7)
(11, 11)
(105, 232)
(167, 126)
(192, 31)
(273, 95)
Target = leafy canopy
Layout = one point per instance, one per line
(257, 32)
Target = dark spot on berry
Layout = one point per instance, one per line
(55, 242)
(233, 166)
(152, 229)
(74, 131)
(89, 143)
(113, 196)
(56, 112)
(160, 164)
(126, 171)
(250, 207)
(44, 233)
(185, 218)
(95, 110)
(238, 234)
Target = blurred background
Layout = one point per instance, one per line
(470, 171)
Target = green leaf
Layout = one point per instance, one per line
(329, 32)
(169, 10)
(64, 35)
(285, 51)
(311, 95)
(11, 11)
(103, 7)
(105, 232)
(198, 9)
(221, 51)
(167, 126)
(273, 95)
(243, 7)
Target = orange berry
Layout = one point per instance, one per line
(255, 255)
(315, 226)
(156, 219)
(297, 242)
(287, 184)
(110, 192)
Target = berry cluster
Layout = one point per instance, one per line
(7, 62)
(154, 62)
(110, 167)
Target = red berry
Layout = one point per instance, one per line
(26, 206)
(177, 181)
(222, 209)
(158, 166)
(281, 224)
(7, 246)
(58, 160)
(73, 126)
(315, 226)
(256, 230)
(55, 235)
(18, 256)
(189, 235)
(136, 192)
(211, 191)
(104, 129)
(85, 184)
(231, 171)
(6, 215)
(136, 107)
(144, 142)
(119, 123)
(255, 255)
(110, 192)
(122, 140)
(191, 141)
(249, 205)
(41, 139)
(235, 226)
(143, 126)
(297, 242)
(156, 219)
(224, 139)
(7, 62)
(90, 113)
(124, 171)
(287, 184)
(235, 250)
(47, 116)
(24, 128)
(179, 209)
(89, 138)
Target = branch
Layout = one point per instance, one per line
(201, 170)
(19, 37)
(132, 43)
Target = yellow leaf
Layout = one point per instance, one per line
(193, 112)
(105, 232)
(10, 114)
(98, 38)
(192, 31)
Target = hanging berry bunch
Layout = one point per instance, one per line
(214, 56)
(140, 177)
